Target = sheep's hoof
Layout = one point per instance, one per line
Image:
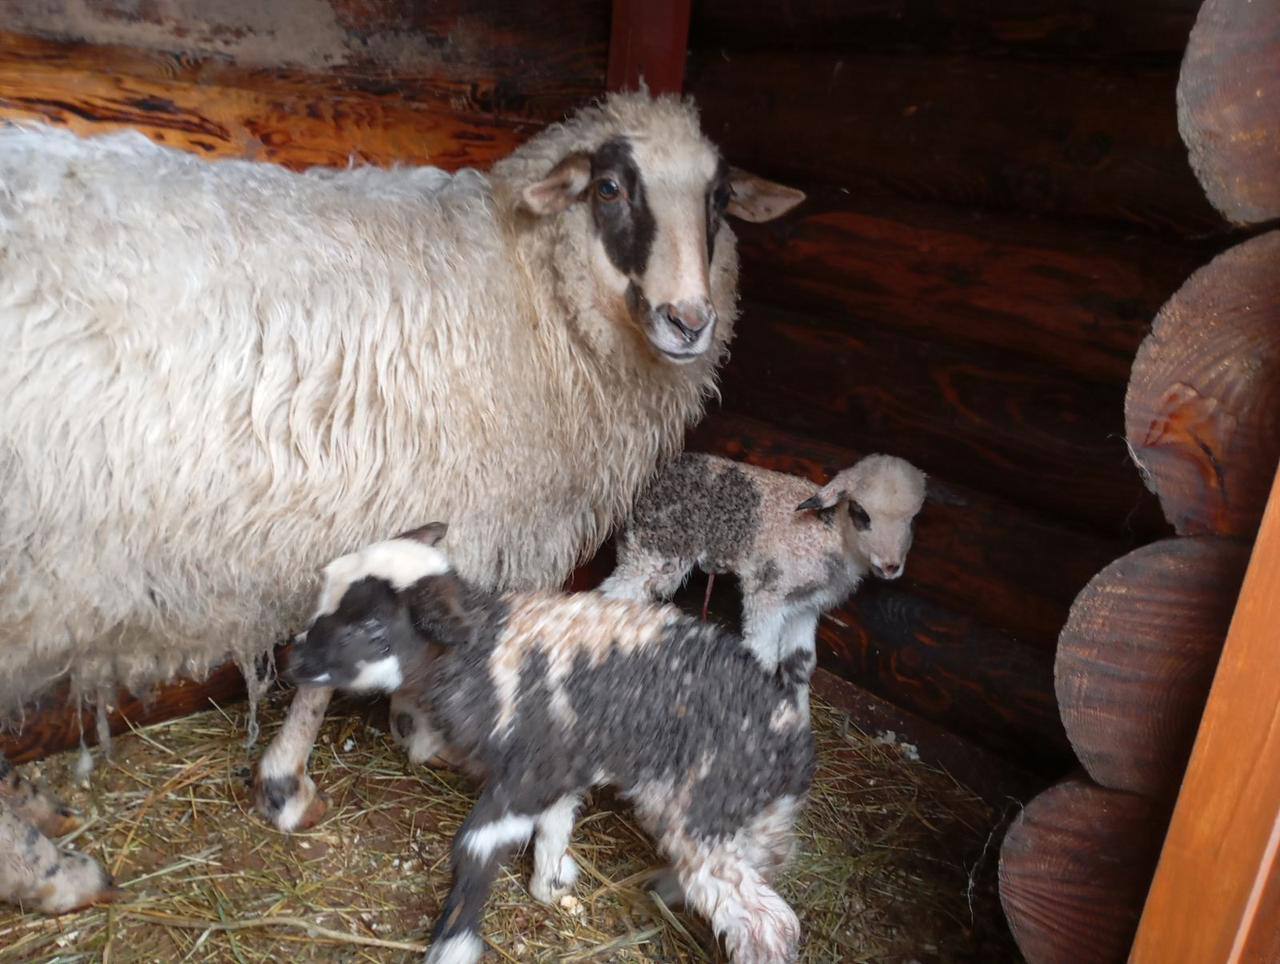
(289, 803)
(666, 887)
(550, 891)
(58, 823)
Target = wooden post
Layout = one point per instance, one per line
(648, 41)
(1216, 894)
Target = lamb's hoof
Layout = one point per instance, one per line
(60, 822)
(550, 891)
(289, 803)
(80, 882)
(666, 887)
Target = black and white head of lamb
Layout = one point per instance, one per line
(547, 695)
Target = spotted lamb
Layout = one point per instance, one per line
(547, 695)
(797, 552)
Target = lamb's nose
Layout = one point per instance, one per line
(891, 569)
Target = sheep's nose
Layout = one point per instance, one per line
(688, 318)
(889, 570)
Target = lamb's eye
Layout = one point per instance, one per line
(607, 189)
(861, 521)
(384, 649)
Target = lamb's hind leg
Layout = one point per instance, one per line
(487, 837)
(52, 817)
(755, 923)
(645, 575)
(36, 875)
(282, 791)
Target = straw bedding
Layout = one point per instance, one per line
(894, 860)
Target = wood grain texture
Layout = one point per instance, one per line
(1081, 30)
(647, 43)
(1216, 894)
(947, 667)
(1229, 107)
(218, 111)
(1074, 141)
(1073, 297)
(1202, 412)
(1074, 868)
(991, 421)
(525, 59)
(55, 724)
(1137, 655)
(1013, 570)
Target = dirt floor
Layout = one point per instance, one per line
(895, 860)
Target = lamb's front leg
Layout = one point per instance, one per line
(282, 791)
(554, 871)
(36, 875)
(764, 618)
(51, 816)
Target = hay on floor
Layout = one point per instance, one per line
(887, 848)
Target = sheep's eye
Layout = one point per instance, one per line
(384, 649)
(607, 189)
(861, 521)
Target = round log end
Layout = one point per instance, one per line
(1202, 410)
(1137, 656)
(1074, 870)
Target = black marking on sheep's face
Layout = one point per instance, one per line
(620, 208)
(370, 626)
(861, 521)
(718, 195)
(699, 510)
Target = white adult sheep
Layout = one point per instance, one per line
(797, 550)
(219, 375)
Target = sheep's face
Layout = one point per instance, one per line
(657, 205)
(361, 637)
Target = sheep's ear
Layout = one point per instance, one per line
(443, 611)
(429, 534)
(755, 199)
(827, 497)
(560, 188)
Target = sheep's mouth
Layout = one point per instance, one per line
(677, 346)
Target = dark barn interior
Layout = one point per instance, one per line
(1000, 204)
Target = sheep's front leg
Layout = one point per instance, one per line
(50, 815)
(36, 875)
(282, 791)
(486, 839)
(554, 871)
(412, 729)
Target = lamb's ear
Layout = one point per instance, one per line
(429, 534)
(443, 610)
(755, 199)
(827, 497)
(560, 188)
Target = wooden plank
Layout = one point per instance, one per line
(55, 724)
(648, 43)
(526, 59)
(1137, 656)
(1070, 140)
(986, 420)
(1226, 826)
(1074, 867)
(947, 667)
(1229, 107)
(1078, 298)
(1081, 30)
(217, 111)
(1014, 570)
(1202, 411)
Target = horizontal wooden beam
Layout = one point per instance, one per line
(287, 117)
(1025, 432)
(1077, 298)
(1078, 140)
(1082, 30)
